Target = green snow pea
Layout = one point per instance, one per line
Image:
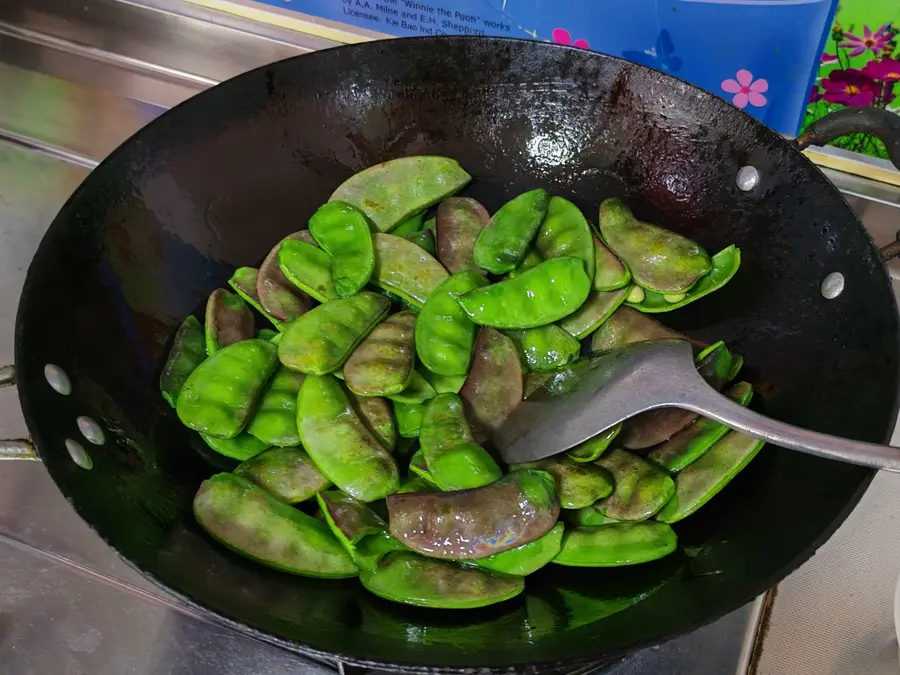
(417, 391)
(502, 244)
(390, 192)
(565, 232)
(288, 474)
(275, 419)
(417, 484)
(493, 388)
(725, 264)
(307, 267)
(359, 529)
(267, 334)
(383, 362)
(641, 489)
(444, 384)
(415, 580)
(545, 347)
(409, 418)
(659, 259)
(598, 307)
(445, 336)
(527, 558)
(281, 299)
(458, 223)
(577, 484)
(243, 282)
(690, 443)
(627, 325)
(405, 269)
(616, 545)
(545, 385)
(375, 413)
(591, 449)
(410, 225)
(424, 240)
(418, 467)
(544, 294)
(444, 424)
(588, 517)
(530, 260)
(254, 524)
(611, 273)
(321, 340)
(470, 524)
(343, 232)
(340, 444)
(188, 351)
(219, 396)
(228, 320)
(241, 447)
(704, 478)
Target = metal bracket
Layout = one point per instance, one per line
(19, 448)
(7, 376)
(892, 250)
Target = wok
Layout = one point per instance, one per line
(213, 183)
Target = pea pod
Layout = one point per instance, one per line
(417, 391)
(390, 192)
(409, 418)
(268, 334)
(307, 267)
(588, 516)
(705, 478)
(546, 347)
(725, 265)
(528, 558)
(375, 413)
(403, 268)
(493, 388)
(418, 467)
(280, 299)
(255, 525)
(417, 484)
(220, 394)
(288, 474)
(188, 351)
(616, 545)
(552, 290)
(343, 233)
(241, 447)
(383, 362)
(443, 384)
(472, 524)
(545, 385)
(444, 424)
(321, 340)
(411, 225)
(340, 444)
(357, 527)
(424, 240)
(458, 223)
(578, 485)
(659, 259)
(610, 273)
(502, 244)
(275, 420)
(627, 325)
(591, 449)
(445, 336)
(530, 260)
(243, 282)
(565, 232)
(598, 307)
(641, 488)
(228, 320)
(414, 580)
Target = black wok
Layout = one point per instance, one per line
(215, 182)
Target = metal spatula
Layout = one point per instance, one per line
(649, 375)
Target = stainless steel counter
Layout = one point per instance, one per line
(76, 79)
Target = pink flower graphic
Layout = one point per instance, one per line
(886, 70)
(875, 42)
(562, 37)
(746, 89)
(851, 87)
(829, 58)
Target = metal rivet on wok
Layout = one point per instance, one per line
(79, 454)
(91, 430)
(833, 286)
(57, 378)
(747, 178)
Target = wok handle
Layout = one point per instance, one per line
(880, 123)
(15, 448)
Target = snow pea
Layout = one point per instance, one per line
(565, 232)
(704, 478)
(458, 223)
(275, 419)
(241, 447)
(383, 362)
(390, 192)
(409, 418)
(527, 558)
(343, 233)
(577, 484)
(589, 516)
(219, 396)
(254, 524)
(321, 340)
(493, 388)
(359, 529)
(268, 334)
(611, 273)
(627, 325)
(544, 294)
(307, 267)
(417, 391)
(545, 347)
(419, 467)
(424, 240)
(444, 424)
(410, 225)
(530, 260)
(243, 282)
(591, 449)
(405, 269)
(598, 307)
(660, 260)
(288, 474)
(641, 488)
(470, 524)
(228, 320)
(188, 351)
(415, 580)
(444, 384)
(340, 444)
(616, 545)
(445, 336)
(502, 244)
(417, 484)
(281, 299)
(375, 413)
(544, 385)
(725, 265)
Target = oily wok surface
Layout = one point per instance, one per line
(212, 184)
